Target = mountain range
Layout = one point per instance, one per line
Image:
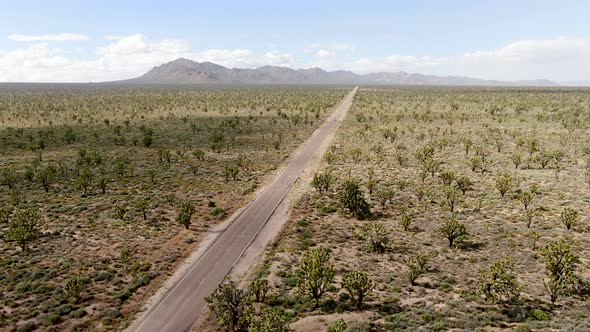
(184, 71)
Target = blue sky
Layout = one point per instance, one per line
(102, 40)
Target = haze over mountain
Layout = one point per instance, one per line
(184, 71)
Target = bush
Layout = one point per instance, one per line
(217, 212)
(538, 314)
(337, 326)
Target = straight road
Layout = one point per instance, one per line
(182, 304)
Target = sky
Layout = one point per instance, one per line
(83, 41)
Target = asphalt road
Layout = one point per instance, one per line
(183, 303)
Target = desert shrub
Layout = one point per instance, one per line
(217, 211)
(561, 264)
(232, 307)
(499, 282)
(504, 183)
(538, 314)
(453, 230)
(74, 288)
(199, 154)
(406, 220)
(351, 198)
(569, 217)
(376, 235)
(359, 286)
(270, 320)
(315, 273)
(337, 326)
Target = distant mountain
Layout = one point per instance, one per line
(184, 71)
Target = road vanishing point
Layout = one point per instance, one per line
(182, 304)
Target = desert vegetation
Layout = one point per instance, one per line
(104, 190)
(436, 209)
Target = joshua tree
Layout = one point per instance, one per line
(8, 177)
(569, 217)
(504, 183)
(187, 209)
(351, 198)
(315, 274)
(232, 306)
(231, 171)
(25, 227)
(447, 177)
(464, 184)
(74, 288)
(451, 196)
(526, 198)
(103, 181)
(384, 193)
(406, 220)
(359, 286)
(258, 288)
(322, 181)
(47, 176)
(561, 264)
(499, 282)
(142, 205)
(516, 160)
(453, 230)
(376, 235)
(416, 267)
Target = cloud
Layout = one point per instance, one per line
(122, 58)
(322, 50)
(561, 59)
(324, 53)
(54, 37)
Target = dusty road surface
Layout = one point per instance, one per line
(181, 305)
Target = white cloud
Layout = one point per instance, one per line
(276, 58)
(322, 50)
(122, 58)
(558, 59)
(113, 37)
(324, 53)
(51, 37)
